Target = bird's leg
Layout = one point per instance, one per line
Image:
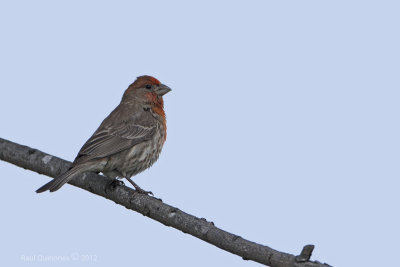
(138, 189)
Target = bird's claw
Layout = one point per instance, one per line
(138, 189)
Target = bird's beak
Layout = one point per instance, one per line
(162, 90)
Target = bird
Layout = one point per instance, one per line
(128, 141)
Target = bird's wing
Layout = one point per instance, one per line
(111, 138)
(110, 141)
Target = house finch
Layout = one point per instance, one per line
(128, 141)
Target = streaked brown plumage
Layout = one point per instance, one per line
(128, 141)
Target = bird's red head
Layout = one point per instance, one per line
(147, 90)
(142, 81)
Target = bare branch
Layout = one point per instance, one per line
(35, 160)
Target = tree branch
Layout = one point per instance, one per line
(35, 160)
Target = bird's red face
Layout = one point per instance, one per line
(149, 90)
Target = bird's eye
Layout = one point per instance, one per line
(148, 86)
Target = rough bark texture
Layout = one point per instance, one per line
(40, 162)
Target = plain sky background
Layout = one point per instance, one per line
(283, 126)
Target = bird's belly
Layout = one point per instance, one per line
(135, 160)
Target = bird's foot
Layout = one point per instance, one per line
(138, 189)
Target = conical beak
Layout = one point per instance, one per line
(162, 89)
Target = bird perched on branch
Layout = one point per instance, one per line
(128, 141)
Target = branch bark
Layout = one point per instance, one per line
(42, 163)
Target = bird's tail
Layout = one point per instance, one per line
(59, 181)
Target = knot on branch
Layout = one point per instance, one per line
(305, 254)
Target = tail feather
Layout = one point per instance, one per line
(59, 181)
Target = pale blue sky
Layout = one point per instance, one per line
(283, 126)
